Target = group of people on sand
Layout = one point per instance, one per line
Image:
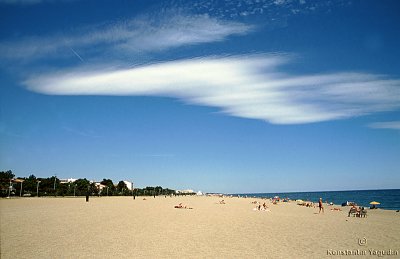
(308, 204)
(264, 207)
(354, 210)
(357, 211)
(321, 206)
(181, 206)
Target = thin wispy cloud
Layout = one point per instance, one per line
(169, 25)
(156, 155)
(80, 132)
(395, 125)
(276, 11)
(181, 30)
(141, 34)
(244, 86)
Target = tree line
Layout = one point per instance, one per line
(51, 186)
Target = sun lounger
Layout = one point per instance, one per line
(353, 211)
(363, 213)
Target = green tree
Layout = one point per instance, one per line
(169, 191)
(121, 187)
(5, 177)
(63, 189)
(150, 191)
(110, 189)
(67, 189)
(107, 182)
(48, 186)
(158, 190)
(30, 184)
(93, 190)
(82, 186)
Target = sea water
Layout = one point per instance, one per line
(388, 199)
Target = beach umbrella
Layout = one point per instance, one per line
(373, 203)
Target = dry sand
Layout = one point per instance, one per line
(120, 227)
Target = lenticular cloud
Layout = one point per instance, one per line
(244, 86)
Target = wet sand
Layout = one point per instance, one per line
(120, 227)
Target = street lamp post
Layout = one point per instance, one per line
(9, 188)
(55, 177)
(37, 188)
(20, 191)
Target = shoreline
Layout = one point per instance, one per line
(389, 198)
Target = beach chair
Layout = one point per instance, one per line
(363, 213)
(352, 211)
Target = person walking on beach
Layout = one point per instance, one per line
(321, 207)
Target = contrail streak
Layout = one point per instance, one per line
(76, 54)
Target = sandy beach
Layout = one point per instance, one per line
(120, 227)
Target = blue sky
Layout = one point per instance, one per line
(218, 96)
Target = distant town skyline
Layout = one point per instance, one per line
(220, 96)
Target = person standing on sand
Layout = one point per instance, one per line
(321, 207)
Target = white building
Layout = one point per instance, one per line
(100, 186)
(185, 191)
(69, 180)
(129, 185)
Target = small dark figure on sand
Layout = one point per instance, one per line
(321, 207)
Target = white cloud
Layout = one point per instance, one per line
(137, 35)
(243, 86)
(181, 30)
(386, 125)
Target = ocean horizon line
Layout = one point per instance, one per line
(355, 190)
